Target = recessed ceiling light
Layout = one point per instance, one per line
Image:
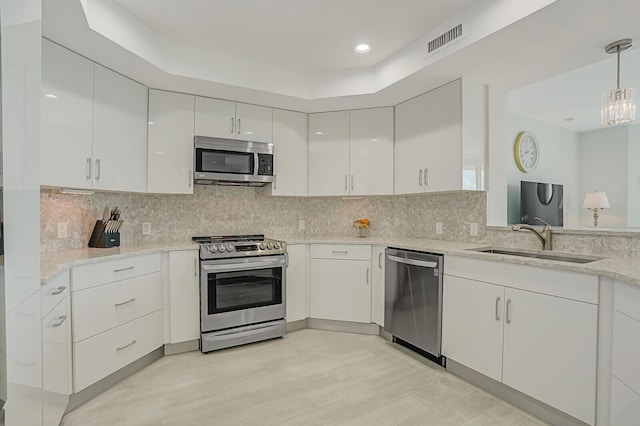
(50, 96)
(319, 133)
(363, 48)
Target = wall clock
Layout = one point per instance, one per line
(526, 151)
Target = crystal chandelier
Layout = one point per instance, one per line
(619, 105)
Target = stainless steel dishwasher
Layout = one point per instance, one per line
(413, 300)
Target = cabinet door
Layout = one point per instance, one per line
(254, 123)
(443, 138)
(371, 151)
(119, 132)
(410, 149)
(56, 359)
(184, 294)
(377, 285)
(329, 153)
(66, 151)
(297, 283)
(290, 153)
(625, 404)
(170, 145)
(472, 324)
(340, 290)
(550, 346)
(215, 118)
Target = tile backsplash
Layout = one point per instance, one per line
(217, 210)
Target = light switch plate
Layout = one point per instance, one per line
(474, 230)
(438, 228)
(146, 228)
(62, 230)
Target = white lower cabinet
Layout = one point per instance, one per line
(184, 295)
(377, 284)
(498, 321)
(117, 315)
(297, 291)
(625, 387)
(340, 282)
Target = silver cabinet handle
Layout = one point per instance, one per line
(346, 179)
(497, 307)
(275, 181)
(98, 169)
(339, 252)
(195, 267)
(126, 302)
(133, 342)
(352, 182)
(59, 321)
(58, 290)
(190, 178)
(380, 260)
(124, 269)
(426, 177)
(238, 126)
(367, 275)
(420, 177)
(88, 168)
(231, 125)
(508, 311)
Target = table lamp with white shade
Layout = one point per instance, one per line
(595, 201)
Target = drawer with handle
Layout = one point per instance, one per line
(341, 251)
(98, 356)
(95, 274)
(107, 306)
(54, 291)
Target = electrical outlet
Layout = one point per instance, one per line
(62, 230)
(146, 228)
(301, 224)
(473, 230)
(438, 228)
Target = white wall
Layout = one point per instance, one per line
(558, 163)
(603, 163)
(633, 189)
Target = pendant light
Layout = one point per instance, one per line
(619, 105)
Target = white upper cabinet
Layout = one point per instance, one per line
(371, 151)
(66, 156)
(439, 144)
(119, 132)
(231, 120)
(329, 153)
(350, 152)
(170, 144)
(94, 125)
(290, 150)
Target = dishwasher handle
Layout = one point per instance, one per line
(412, 262)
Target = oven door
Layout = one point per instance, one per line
(236, 292)
(225, 164)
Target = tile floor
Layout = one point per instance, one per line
(309, 377)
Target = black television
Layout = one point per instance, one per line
(543, 200)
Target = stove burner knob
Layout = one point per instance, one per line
(262, 246)
(221, 248)
(229, 248)
(270, 246)
(276, 245)
(213, 249)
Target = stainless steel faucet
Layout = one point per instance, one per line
(545, 236)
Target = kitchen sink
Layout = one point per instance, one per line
(560, 257)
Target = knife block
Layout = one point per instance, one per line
(101, 239)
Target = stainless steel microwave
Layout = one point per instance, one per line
(232, 162)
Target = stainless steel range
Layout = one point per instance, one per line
(242, 290)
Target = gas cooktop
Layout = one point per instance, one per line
(225, 246)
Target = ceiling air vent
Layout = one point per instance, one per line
(444, 39)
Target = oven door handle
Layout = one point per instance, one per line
(243, 266)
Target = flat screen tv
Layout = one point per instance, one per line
(543, 200)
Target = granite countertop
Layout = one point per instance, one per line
(620, 268)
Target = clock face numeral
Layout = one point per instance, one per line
(526, 152)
